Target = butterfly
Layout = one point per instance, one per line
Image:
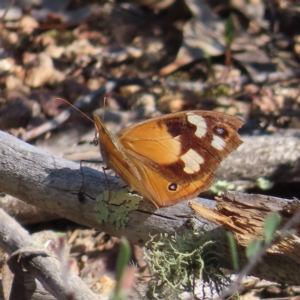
(170, 158)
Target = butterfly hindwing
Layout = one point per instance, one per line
(161, 192)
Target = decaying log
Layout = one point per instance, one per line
(244, 215)
(52, 183)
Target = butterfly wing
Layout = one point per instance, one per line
(171, 158)
(113, 156)
(161, 192)
(183, 147)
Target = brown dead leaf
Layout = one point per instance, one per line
(28, 24)
(40, 70)
(202, 36)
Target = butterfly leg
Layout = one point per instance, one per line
(107, 181)
(80, 194)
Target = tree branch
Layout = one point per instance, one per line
(52, 184)
(274, 157)
(25, 213)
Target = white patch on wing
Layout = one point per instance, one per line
(200, 124)
(192, 161)
(218, 143)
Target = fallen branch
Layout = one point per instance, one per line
(273, 157)
(52, 184)
(25, 213)
(27, 260)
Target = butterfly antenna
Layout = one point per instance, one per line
(66, 101)
(104, 104)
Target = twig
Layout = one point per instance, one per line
(10, 4)
(25, 257)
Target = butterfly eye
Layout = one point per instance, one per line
(172, 187)
(95, 141)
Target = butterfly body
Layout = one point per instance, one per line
(170, 158)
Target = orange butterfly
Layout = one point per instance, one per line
(170, 158)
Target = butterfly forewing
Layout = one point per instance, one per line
(183, 147)
(171, 158)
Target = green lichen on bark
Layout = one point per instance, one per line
(114, 207)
